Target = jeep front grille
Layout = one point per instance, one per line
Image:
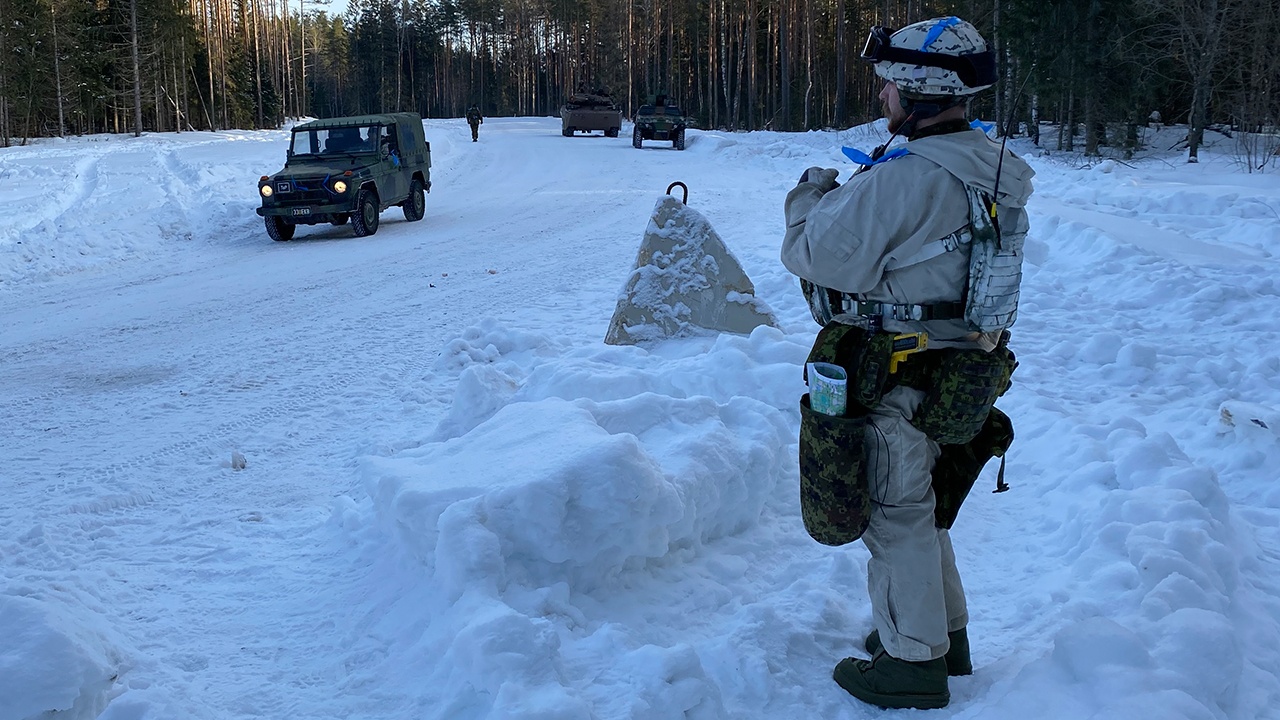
(310, 191)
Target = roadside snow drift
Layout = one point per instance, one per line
(56, 662)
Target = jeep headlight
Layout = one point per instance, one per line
(265, 190)
(340, 187)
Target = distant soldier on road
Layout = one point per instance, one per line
(474, 119)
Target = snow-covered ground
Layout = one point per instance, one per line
(457, 502)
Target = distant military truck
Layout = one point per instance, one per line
(348, 168)
(590, 111)
(659, 121)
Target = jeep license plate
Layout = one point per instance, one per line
(302, 211)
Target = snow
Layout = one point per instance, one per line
(403, 477)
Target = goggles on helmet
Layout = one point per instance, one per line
(974, 69)
(877, 42)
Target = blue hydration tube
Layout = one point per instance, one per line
(862, 158)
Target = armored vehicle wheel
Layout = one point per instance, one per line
(365, 220)
(637, 140)
(612, 132)
(340, 219)
(567, 132)
(279, 229)
(415, 206)
(678, 142)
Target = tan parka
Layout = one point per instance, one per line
(844, 237)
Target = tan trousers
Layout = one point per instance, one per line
(916, 595)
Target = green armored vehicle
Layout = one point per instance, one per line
(348, 168)
(587, 111)
(660, 121)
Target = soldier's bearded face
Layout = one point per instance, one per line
(891, 106)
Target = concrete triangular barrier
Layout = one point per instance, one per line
(685, 282)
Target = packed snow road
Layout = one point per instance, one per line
(129, 384)
(457, 503)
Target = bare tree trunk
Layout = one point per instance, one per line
(808, 52)
(1090, 88)
(740, 76)
(302, 28)
(1199, 104)
(400, 27)
(1070, 130)
(1090, 124)
(223, 32)
(137, 71)
(1033, 129)
(784, 69)
(208, 44)
(57, 69)
(841, 69)
(257, 65)
(1001, 110)
(631, 57)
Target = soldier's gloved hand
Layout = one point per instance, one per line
(824, 178)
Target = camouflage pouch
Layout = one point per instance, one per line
(864, 354)
(958, 466)
(835, 500)
(960, 392)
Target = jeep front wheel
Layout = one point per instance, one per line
(567, 132)
(415, 206)
(278, 229)
(365, 219)
(637, 140)
(340, 219)
(678, 143)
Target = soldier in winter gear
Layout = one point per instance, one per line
(474, 120)
(890, 250)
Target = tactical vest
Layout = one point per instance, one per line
(993, 287)
(995, 265)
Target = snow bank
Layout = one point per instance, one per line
(572, 486)
(101, 199)
(56, 663)
(1150, 582)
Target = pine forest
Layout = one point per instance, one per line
(1099, 67)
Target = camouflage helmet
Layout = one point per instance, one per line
(942, 57)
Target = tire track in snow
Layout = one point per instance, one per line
(311, 385)
(83, 183)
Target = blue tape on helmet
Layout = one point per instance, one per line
(935, 32)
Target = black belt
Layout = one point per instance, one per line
(904, 312)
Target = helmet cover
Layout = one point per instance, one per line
(971, 71)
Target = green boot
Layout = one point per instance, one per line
(957, 658)
(892, 683)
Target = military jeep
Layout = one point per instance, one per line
(349, 168)
(659, 121)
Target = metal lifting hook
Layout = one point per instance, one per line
(683, 187)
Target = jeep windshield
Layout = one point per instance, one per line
(330, 142)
